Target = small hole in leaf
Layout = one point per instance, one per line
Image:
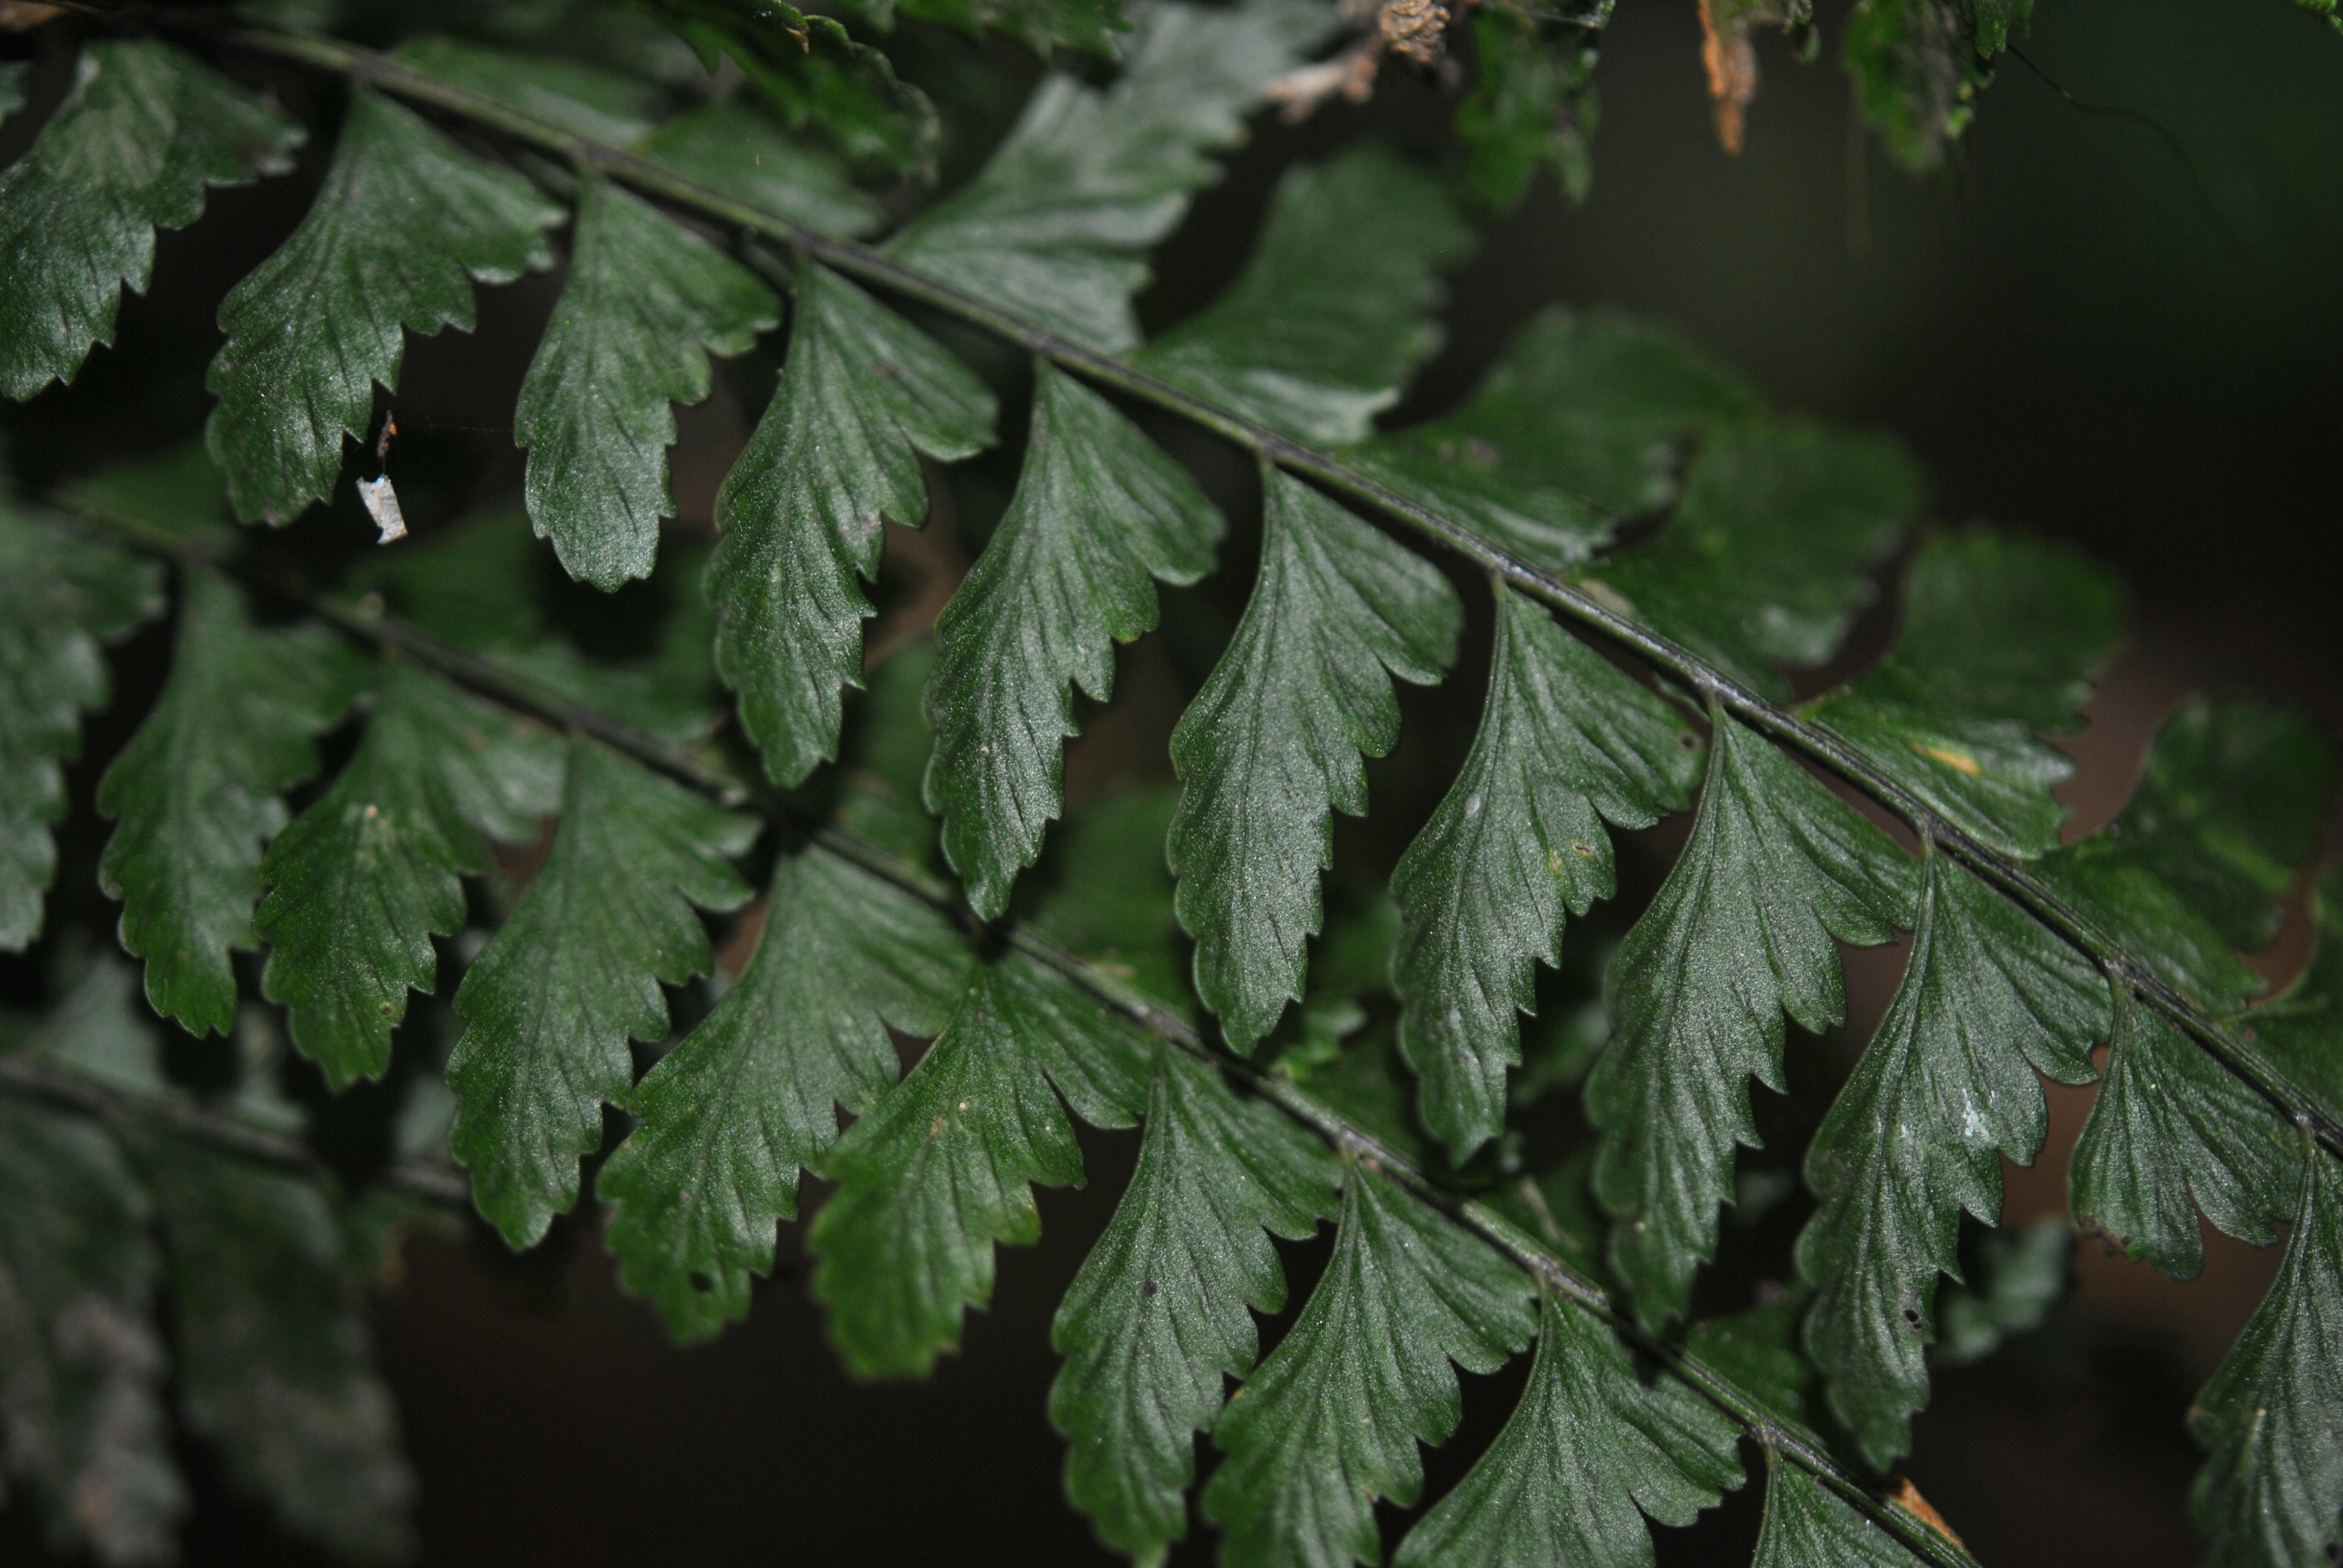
(1912, 1316)
(1148, 1288)
(1687, 741)
(700, 1281)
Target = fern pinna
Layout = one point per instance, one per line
(1649, 550)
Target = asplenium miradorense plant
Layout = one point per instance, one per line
(1173, 964)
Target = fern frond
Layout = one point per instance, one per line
(1739, 935)
(198, 793)
(1101, 514)
(645, 297)
(1566, 744)
(145, 132)
(1271, 746)
(403, 226)
(360, 881)
(62, 598)
(575, 973)
(1056, 225)
(837, 453)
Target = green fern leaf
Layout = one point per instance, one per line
(1738, 935)
(1056, 226)
(726, 1119)
(404, 221)
(362, 878)
(1589, 1445)
(599, 106)
(1768, 556)
(274, 1363)
(1531, 108)
(1100, 514)
(1089, 25)
(739, 151)
(1157, 1318)
(1946, 1088)
(863, 394)
(645, 297)
(1583, 421)
(88, 1434)
(144, 132)
(815, 73)
(2173, 1133)
(2271, 1494)
(199, 792)
(1273, 740)
(12, 85)
(1918, 66)
(62, 598)
(2302, 1030)
(1998, 635)
(575, 973)
(1329, 1423)
(2230, 806)
(1808, 1526)
(943, 1168)
(1334, 313)
(1565, 743)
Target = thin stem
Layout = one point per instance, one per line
(2009, 876)
(33, 1080)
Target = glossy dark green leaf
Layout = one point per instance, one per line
(2301, 1030)
(1594, 405)
(1334, 313)
(598, 105)
(404, 224)
(144, 132)
(1158, 1316)
(364, 878)
(1999, 635)
(1089, 25)
(199, 792)
(2233, 802)
(1946, 1089)
(1807, 1526)
(274, 1360)
(82, 1368)
(1768, 556)
(62, 597)
(726, 1119)
(1100, 516)
(648, 300)
(2172, 1132)
(1590, 1444)
(1271, 746)
(2271, 1494)
(1566, 743)
(864, 393)
(1056, 226)
(1919, 65)
(575, 973)
(944, 1166)
(2230, 805)
(1738, 935)
(813, 73)
(12, 85)
(1531, 108)
(731, 146)
(1329, 1424)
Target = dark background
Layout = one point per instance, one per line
(2079, 333)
